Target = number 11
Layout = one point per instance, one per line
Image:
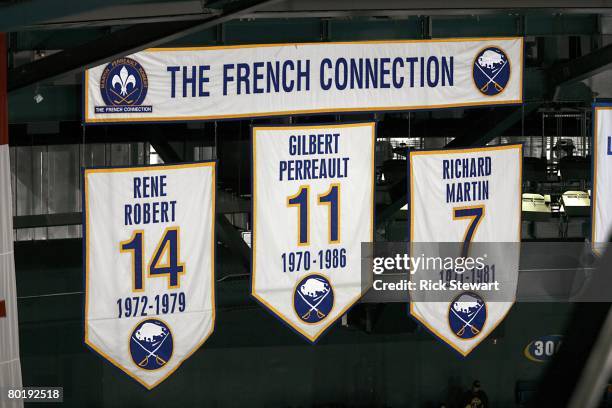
(331, 198)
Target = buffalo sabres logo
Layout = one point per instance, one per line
(123, 86)
(491, 71)
(313, 298)
(467, 315)
(151, 344)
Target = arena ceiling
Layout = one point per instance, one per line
(30, 14)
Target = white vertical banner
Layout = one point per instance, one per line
(10, 367)
(602, 176)
(471, 197)
(149, 265)
(313, 207)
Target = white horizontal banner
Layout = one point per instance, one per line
(179, 84)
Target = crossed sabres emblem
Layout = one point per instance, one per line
(466, 303)
(313, 292)
(152, 331)
(489, 59)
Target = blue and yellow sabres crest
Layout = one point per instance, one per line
(313, 298)
(467, 314)
(151, 344)
(491, 71)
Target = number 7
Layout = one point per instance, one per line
(476, 214)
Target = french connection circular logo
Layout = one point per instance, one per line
(124, 83)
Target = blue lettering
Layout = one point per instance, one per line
(384, 72)
(356, 74)
(325, 85)
(137, 184)
(288, 85)
(371, 74)
(341, 80)
(272, 78)
(303, 74)
(411, 61)
(257, 76)
(432, 79)
(173, 70)
(227, 77)
(447, 71)
(422, 72)
(187, 80)
(242, 76)
(398, 80)
(203, 80)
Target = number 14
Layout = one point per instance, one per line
(168, 248)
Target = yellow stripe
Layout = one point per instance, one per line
(299, 112)
(86, 86)
(149, 168)
(594, 195)
(324, 126)
(594, 238)
(520, 197)
(466, 150)
(249, 46)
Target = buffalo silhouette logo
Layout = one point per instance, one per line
(467, 314)
(491, 71)
(151, 344)
(313, 298)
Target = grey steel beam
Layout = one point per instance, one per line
(392, 13)
(121, 43)
(149, 12)
(165, 151)
(27, 12)
(398, 8)
(226, 206)
(46, 220)
(580, 68)
(128, 14)
(481, 139)
(228, 234)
